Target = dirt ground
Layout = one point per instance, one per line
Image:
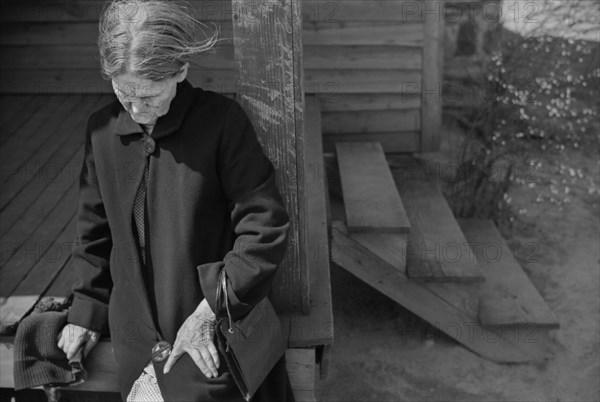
(382, 352)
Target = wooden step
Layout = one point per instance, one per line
(508, 297)
(370, 196)
(437, 250)
(374, 211)
(437, 303)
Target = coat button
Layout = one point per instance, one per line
(150, 145)
(161, 351)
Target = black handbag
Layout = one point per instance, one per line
(252, 345)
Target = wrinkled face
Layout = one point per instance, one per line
(146, 100)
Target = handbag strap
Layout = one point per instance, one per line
(222, 294)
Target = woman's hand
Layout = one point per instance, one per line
(195, 337)
(73, 338)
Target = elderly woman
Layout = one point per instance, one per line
(174, 188)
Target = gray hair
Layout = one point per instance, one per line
(151, 39)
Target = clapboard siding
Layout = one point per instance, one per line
(219, 10)
(325, 82)
(364, 59)
(320, 34)
(69, 57)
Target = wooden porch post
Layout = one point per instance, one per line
(269, 86)
(431, 85)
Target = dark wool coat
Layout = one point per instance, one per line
(212, 203)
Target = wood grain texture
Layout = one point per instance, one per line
(370, 195)
(269, 86)
(507, 296)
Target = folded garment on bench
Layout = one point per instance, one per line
(38, 361)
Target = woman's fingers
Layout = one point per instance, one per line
(201, 356)
(173, 357)
(208, 359)
(89, 345)
(73, 338)
(204, 362)
(214, 353)
(73, 347)
(61, 341)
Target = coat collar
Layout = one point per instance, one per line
(165, 125)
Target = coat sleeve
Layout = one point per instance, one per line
(258, 217)
(91, 255)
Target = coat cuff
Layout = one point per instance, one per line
(209, 277)
(88, 313)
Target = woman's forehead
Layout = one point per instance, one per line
(139, 87)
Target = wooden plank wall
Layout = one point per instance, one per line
(364, 59)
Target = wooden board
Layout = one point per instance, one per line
(330, 82)
(339, 102)
(14, 309)
(437, 249)
(315, 329)
(391, 141)
(316, 33)
(302, 368)
(370, 195)
(86, 56)
(362, 81)
(73, 57)
(490, 343)
(371, 33)
(508, 297)
(371, 121)
(390, 247)
(269, 86)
